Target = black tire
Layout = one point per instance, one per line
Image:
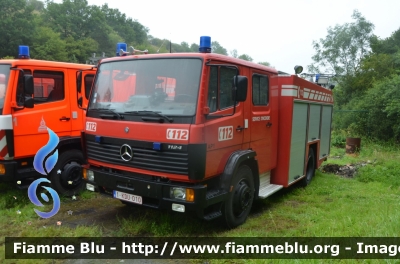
(66, 176)
(237, 207)
(310, 171)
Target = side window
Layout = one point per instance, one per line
(49, 86)
(213, 89)
(88, 84)
(260, 89)
(225, 87)
(220, 87)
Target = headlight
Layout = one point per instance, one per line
(178, 193)
(182, 194)
(88, 175)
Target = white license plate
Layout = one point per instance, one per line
(127, 197)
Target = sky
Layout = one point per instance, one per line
(280, 32)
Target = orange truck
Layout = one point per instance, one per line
(36, 95)
(202, 132)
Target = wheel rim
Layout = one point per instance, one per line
(242, 198)
(70, 175)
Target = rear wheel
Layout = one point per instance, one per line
(66, 176)
(237, 207)
(310, 172)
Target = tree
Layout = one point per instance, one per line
(36, 4)
(71, 18)
(234, 53)
(16, 26)
(194, 47)
(47, 45)
(383, 104)
(79, 51)
(130, 30)
(343, 48)
(245, 57)
(265, 63)
(217, 48)
(185, 46)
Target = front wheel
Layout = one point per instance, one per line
(66, 176)
(237, 207)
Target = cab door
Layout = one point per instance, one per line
(261, 120)
(51, 110)
(84, 82)
(223, 135)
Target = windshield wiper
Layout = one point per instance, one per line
(151, 112)
(119, 116)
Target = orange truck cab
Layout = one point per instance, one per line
(202, 132)
(36, 95)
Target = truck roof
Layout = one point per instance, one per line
(53, 64)
(204, 56)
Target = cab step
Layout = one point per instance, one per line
(212, 215)
(266, 188)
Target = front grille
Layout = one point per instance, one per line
(144, 157)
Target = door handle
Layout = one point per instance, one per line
(269, 124)
(239, 128)
(64, 118)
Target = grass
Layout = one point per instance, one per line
(331, 206)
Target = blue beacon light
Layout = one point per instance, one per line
(120, 46)
(317, 77)
(205, 44)
(23, 52)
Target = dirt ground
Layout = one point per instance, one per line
(348, 170)
(101, 211)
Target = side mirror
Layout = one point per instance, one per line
(79, 81)
(240, 88)
(29, 102)
(28, 84)
(80, 99)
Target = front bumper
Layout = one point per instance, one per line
(16, 171)
(156, 194)
(10, 169)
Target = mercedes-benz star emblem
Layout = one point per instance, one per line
(126, 129)
(126, 152)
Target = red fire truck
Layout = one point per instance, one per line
(226, 132)
(36, 95)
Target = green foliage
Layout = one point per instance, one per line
(265, 63)
(344, 47)
(16, 26)
(194, 47)
(338, 138)
(383, 104)
(47, 45)
(367, 97)
(245, 57)
(36, 4)
(217, 48)
(77, 50)
(72, 30)
(234, 53)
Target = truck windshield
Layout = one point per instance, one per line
(4, 76)
(168, 87)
